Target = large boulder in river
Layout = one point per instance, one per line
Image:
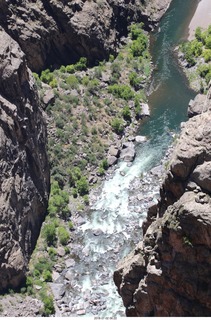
(24, 174)
(128, 152)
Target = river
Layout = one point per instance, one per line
(119, 207)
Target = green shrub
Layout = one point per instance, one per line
(92, 86)
(70, 225)
(116, 69)
(58, 201)
(72, 81)
(121, 91)
(126, 113)
(46, 76)
(63, 235)
(47, 276)
(134, 80)
(199, 35)
(53, 83)
(117, 125)
(101, 171)
(86, 199)
(111, 58)
(139, 46)
(81, 64)
(208, 42)
(136, 30)
(74, 192)
(52, 253)
(85, 80)
(204, 69)
(42, 265)
(49, 231)
(104, 164)
(82, 186)
(70, 68)
(62, 69)
(48, 305)
(207, 55)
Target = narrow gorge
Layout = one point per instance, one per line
(90, 72)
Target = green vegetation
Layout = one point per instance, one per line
(198, 53)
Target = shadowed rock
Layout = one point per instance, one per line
(24, 174)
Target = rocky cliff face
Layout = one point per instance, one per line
(168, 273)
(24, 174)
(52, 32)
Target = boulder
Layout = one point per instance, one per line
(197, 106)
(49, 97)
(113, 151)
(145, 112)
(111, 160)
(140, 139)
(128, 153)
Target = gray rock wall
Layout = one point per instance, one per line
(24, 171)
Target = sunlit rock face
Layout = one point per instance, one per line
(24, 174)
(168, 272)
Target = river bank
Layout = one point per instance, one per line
(201, 18)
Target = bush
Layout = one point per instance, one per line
(49, 232)
(52, 253)
(48, 305)
(81, 64)
(134, 80)
(208, 42)
(207, 55)
(117, 125)
(47, 276)
(126, 113)
(121, 91)
(139, 46)
(72, 81)
(136, 30)
(199, 35)
(63, 235)
(70, 68)
(70, 225)
(204, 69)
(58, 201)
(82, 186)
(46, 76)
(104, 164)
(86, 199)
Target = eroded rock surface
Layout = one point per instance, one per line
(54, 32)
(168, 273)
(24, 174)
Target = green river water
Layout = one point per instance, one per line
(169, 92)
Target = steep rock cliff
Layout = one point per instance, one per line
(168, 273)
(54, 32)
(24, 174)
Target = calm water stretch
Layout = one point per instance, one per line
(114, 223)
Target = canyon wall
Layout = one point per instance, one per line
(168, 273)
(52, 32)
(24, 174)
